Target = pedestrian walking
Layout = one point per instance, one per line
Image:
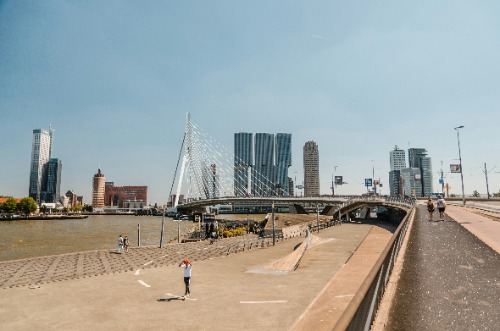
(212, 232)
(120, 244)
(441, 205)
(430, 208)
(126, 243)
(187, 266)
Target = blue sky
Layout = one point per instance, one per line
(115, 80)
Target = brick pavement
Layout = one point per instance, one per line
(93, 263)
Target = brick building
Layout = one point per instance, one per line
(116, 196)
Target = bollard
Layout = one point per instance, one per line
(138, 235)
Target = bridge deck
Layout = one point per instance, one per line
(450, 277)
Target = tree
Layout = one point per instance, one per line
(10, 205)
(475, 194)
(27, 206)
(88, 208)
(77, 208)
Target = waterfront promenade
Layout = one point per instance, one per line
(102, 290)
(446, 280)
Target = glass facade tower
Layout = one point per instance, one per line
(40, 155)
(243, 156)
(263, 168)
(397, 162)
(52, 185)
(283, 162)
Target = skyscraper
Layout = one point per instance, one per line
(263, 168)
(418, 158)
(397, 159)
(311, 169)
(283, 162)
(412, 184)
(243, 156)
(414, 157)
(426, 171)
(98, 189)
(52, 184)
(40, 155)
(397, 162)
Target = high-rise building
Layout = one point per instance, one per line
(397, 158)
(395, 187)
(414, 157)
(283, 162)
(426, 171)
(243, 157)
(52, 184)
(411, 182)
(263, 168)
(311, 169)
(40, 155)
(418, 158)
(98, 189)
(397, 162)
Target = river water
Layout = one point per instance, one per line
(24, 239)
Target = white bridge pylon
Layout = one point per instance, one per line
(207, 168)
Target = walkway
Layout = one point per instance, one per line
(450, 277)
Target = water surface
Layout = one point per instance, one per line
(24, 239)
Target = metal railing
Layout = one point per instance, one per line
(360, 313)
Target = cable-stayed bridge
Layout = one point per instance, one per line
(207, 177)
(207, 171)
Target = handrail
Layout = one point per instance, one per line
(359, 314)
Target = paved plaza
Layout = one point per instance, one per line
(230, 290)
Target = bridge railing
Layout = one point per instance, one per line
(398, 201)
(360, 313)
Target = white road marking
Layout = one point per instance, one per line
(148, 263)
(137, 272)
(271, 301)
(143, 283)
(344, 296)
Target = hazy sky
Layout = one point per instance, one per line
(115, 80)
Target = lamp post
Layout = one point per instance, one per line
(272, 217)
(333, 183)
(295, 184)
(373, 177)
(460, 161)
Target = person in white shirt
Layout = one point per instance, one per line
(187, 266)
(441, 204)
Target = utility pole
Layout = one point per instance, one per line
(460, 161)
(486, 176)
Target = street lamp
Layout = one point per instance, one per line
(460, 161)
(333, 189)
(373, 177)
